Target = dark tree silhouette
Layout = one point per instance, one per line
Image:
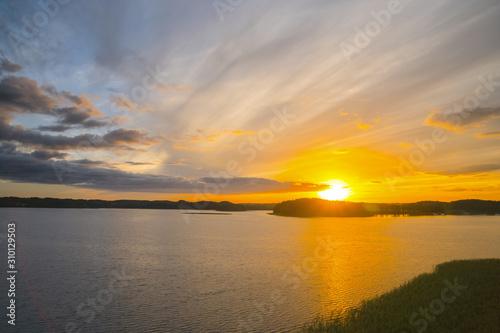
(311, 207)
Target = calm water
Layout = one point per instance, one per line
(217, 273)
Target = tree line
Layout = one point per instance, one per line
(311, 207)
(129, 204)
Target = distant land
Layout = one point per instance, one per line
(131, 204)
(306, 207)
(312, 207)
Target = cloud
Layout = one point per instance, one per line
(129, 136)
(470, 188)
(72, 115)
(119, 119)
(174, 88)
(138, 163)
(20, 167)
(116, 139)
(25, 168)
(208, 135)
(238, 132)
(487, 135)
(238, 185)
(92, 123)
(183, 147)
(459, 120)
(86, 161)
(174, 163)
(122, 102)
(240, 73)
(21, 94)
(7, 66)
(207, 138)
(54, 128)
(24, 95)
(362, 126)
(47, 154)
(472, 169)
(61, 96)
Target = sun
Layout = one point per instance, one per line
(339, 190)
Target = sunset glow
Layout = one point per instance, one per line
(339, 190)
(260, 103)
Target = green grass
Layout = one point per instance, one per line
(476, 309)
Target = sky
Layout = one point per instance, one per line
(250, 101)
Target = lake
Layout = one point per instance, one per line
(117, 270)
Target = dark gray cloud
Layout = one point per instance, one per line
(116, 139)
(7, 148)
(20, 167)
(92, 123)
(138, 163)
(7, 66)
(61, 95)
(72, 115)
(21, 94)
(86, 161)
(458, 120)
(54, 128)
(24, 95)
(129, 136)
(38, 168)
(47, 154)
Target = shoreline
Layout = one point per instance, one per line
(458, 296)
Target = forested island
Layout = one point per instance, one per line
(306, 207)
(312, 207)
(131, 204)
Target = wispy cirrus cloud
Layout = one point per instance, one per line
(124, 102)
(183, 147)
(173, 88)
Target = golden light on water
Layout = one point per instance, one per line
(339, 190)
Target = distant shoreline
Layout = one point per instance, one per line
(306, 207)
(35, 202)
